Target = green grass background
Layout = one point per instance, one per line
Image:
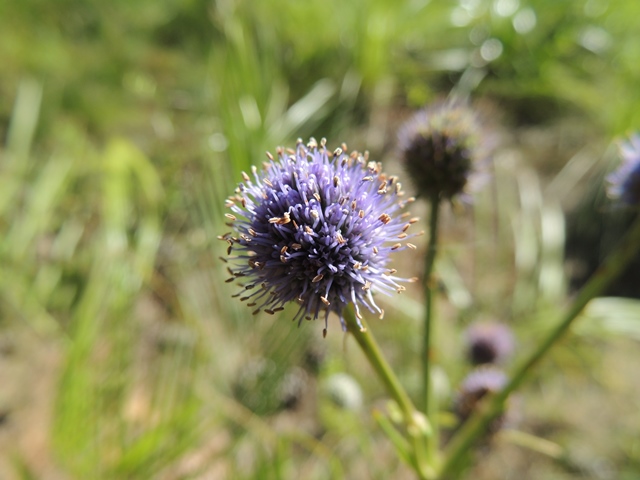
(125, 125)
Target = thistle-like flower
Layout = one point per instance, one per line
(317, 228)
(624, 183)
(441, 149)
(488, 342)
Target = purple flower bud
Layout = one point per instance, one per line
(316, 228)
(624, 183)
(441, 149)
(488, 342)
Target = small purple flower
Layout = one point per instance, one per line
(488, 342)
(317, 228)
(474, 387)
(624, 183)
(441, 149)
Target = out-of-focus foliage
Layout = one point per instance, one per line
(124, 126)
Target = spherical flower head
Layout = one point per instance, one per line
(317, 228)
(488, 342)
(441, 150)
(624, 183)
(474, 387)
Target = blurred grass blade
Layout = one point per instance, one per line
(611, 315)
(526, 230)
(43, 199)
(457, 293)
(24, 118)
(304, 110)
(14, 159)
(573, 171)
(551, 279)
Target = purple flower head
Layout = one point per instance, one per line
(441, 149)
(317, 228)
(624, 183)
(475, 386)
(488, 342)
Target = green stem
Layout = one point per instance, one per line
(613, 265)
(417, 425)
(373, 353)
(428, 394)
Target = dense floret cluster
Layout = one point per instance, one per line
(441, 149)
(316, 227)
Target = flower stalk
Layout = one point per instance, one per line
(418, 427)
(369, 346)
(428, 394)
